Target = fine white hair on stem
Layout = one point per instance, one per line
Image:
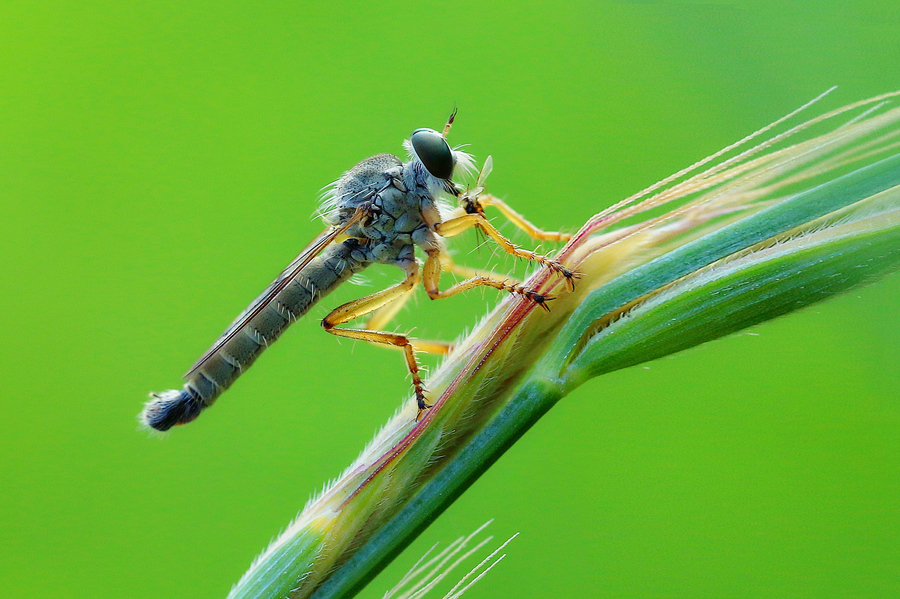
(427, 572)
(458, 589)
(440, 558)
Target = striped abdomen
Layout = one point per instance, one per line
(246, 339)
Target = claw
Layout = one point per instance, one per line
(541, 300)
(420, 400)
(570, 278)
(422, 407)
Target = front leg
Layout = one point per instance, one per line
(477, 205)
(457, 225)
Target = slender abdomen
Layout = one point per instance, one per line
(216, 373)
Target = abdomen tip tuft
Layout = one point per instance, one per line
(169, 408)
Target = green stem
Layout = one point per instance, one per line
(530, 402)
(765, 224)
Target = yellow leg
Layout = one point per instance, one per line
(457, 225)
(517, 219)
(448, 265)
(370, 303)
(382, 316)
(441, 348)
(432, 278)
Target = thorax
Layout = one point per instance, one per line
(402, 207)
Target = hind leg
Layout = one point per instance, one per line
(371, 303)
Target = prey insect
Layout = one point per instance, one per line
(377, 212)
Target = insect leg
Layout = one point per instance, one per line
(370, 303)
(457, 225)
(382, 316)
(519, 220)
(432, 279)
(448, 265)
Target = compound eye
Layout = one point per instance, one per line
(433, 151)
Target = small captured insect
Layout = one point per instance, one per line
(378, 212)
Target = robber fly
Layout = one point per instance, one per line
(377, 212)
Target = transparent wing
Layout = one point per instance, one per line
(471, 194)
(485, 171)
(288, 274)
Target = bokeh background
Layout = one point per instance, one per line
(159, 165)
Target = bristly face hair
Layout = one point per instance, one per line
(428, 148)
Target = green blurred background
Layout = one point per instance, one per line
(159, 164)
